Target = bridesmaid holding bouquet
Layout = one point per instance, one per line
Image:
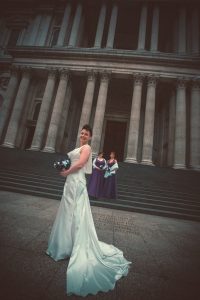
(110, 185)
(96, 181)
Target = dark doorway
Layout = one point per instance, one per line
(114, 140)
(29, 138)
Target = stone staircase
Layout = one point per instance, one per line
(145, 189)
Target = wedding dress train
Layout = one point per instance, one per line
(93, 265)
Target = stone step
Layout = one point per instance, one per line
(112, 205)
(145, 189)
(140, 198)
(126, 193)
(31, 185)
(122, 187)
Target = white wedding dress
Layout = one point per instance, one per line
(93, 266)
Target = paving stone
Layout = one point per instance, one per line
(164, 253)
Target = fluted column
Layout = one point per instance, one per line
(87, 102)
(149, 121)
(195, 32)
(57, 112)
(64, 119)
(180, 127)
(35, 29)
(43, 30)
(75, 26)
(64, 25)
(182, 30)
(112, 27)
(100, 26)
(44, 111)
(14, 122)
(9, 98)
(99, 113)
(142, 28)
(171, 133)
(195, 126)
(155, 29)
(133, 133)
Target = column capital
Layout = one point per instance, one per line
(14, 70)
(91, 74)
(52, 72)
(181, 82)
(138, 78)
(196, 83)
(152, 80)
(105, 75)
(26, 71)
(64, 73)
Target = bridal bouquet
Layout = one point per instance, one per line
(63, 163)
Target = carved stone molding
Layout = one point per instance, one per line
(152, 80)
(64, 73)
(91, 74)
(52, 72)
(3, 82)
(138, 78)
(105, 75)
(196, 84)
(15, 70)
(181, 82)
(26, 71)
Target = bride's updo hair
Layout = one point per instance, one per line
(87, 128)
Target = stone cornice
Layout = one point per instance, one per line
(80, 60)
(158, 58)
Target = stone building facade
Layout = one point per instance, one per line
(130, 68)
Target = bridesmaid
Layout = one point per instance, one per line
(110, 185)
(96, 181)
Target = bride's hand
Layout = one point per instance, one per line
(64, 173)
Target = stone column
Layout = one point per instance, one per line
(180, 127)
(182, 30)
(134, 124)
(44, 111)
(14, 122)
(142, 28)
(43, 30)
(155, 29)
(35, 29)
(57, 112)
(171, 133)
(195, 31)
(112, 27)
(99, 113)
(75, 26)
(87, 102)
(64, 25)
(9, 99)
(64, 118)
(195, 126)
(100, 26)
(149, 121)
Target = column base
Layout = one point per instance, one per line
(195, 168)
(131, 160)
(179, 166)
(8, 145)
(49, 149)
(34, 148)
(147, 162)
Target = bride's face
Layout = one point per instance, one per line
(84, 136)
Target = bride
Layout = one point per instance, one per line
(93, 265)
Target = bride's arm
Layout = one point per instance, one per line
(84, 155)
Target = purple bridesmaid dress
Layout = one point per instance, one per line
(96, 180)
(110, 185)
